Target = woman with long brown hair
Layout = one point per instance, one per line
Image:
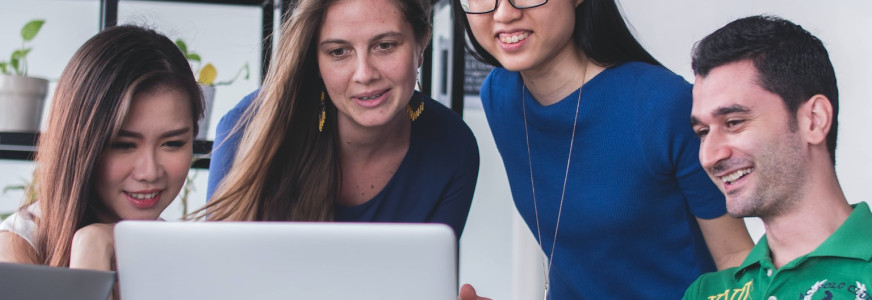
(118, 145)
(337, 133)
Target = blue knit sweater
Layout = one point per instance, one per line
(433, 184)
(628, 227)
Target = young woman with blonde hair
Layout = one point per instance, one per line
(338, 133)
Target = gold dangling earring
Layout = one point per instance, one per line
(415, 113)
(323, 115)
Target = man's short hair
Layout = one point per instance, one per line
(790, 61)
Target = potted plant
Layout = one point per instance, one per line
(206, 75)
(21, 97)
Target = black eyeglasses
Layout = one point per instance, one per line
(486, 6)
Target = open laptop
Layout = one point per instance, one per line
(285, 260)
(21, 281)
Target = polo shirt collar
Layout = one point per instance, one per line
(852, 232)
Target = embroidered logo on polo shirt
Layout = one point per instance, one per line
(825, 290)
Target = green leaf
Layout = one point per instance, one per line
(182, 46)
(13, 187)
(3, 65)
(193, 57)
(20, 53)
(14, 63)
(29, 31)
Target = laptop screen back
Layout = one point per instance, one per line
(20, 281)
(285, 260)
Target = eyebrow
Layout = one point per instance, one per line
(375, 38)
(171, 133)
(721, 111)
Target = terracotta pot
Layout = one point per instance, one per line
(21, 102)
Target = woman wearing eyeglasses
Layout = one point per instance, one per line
(601, 161)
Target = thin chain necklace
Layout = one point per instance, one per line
(547, 267)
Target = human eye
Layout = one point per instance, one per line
(337, 52)
(701, 132)
(174, 144)
(385, 46)
(731, 123)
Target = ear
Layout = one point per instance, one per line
(815, 117)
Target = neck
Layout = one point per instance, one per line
(821, 210)
(557, 78)
(358, 143)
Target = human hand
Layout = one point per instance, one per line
(93, 247)
(467, 292)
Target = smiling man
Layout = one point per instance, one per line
(765, 106)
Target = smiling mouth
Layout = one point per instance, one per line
(367, 98)
(732, 177)
(513, 38)
(139, 196)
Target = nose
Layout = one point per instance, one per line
(713, 149)
(506, 12)
(148, 167)
(366, 71)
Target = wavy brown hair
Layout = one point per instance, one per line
(285, 169)
(90, 104)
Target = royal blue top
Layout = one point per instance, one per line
(433, 184)
(628, 227)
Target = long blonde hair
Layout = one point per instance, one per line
(285, 169)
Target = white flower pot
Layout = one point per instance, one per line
(208, 99)
(21, 102)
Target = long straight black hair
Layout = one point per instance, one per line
(600, 31)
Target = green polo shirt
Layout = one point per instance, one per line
(840, 268)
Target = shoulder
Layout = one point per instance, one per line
(442, 122)
(441, 128)
(657, 92)
(647, 78)
(15, 249)
(499, 90)
(234, 114)
(18, 236)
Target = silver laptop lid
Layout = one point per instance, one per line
(285, 260)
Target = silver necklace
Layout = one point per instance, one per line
(547, 266)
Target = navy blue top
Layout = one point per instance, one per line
(434, 182)
(628, 227)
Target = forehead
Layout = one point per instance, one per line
(728, 85)
(346, 19)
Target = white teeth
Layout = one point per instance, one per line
(514, 38)
(371, 97)
(730, 178)
(143, 196)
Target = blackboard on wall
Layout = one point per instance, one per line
(475, 73)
